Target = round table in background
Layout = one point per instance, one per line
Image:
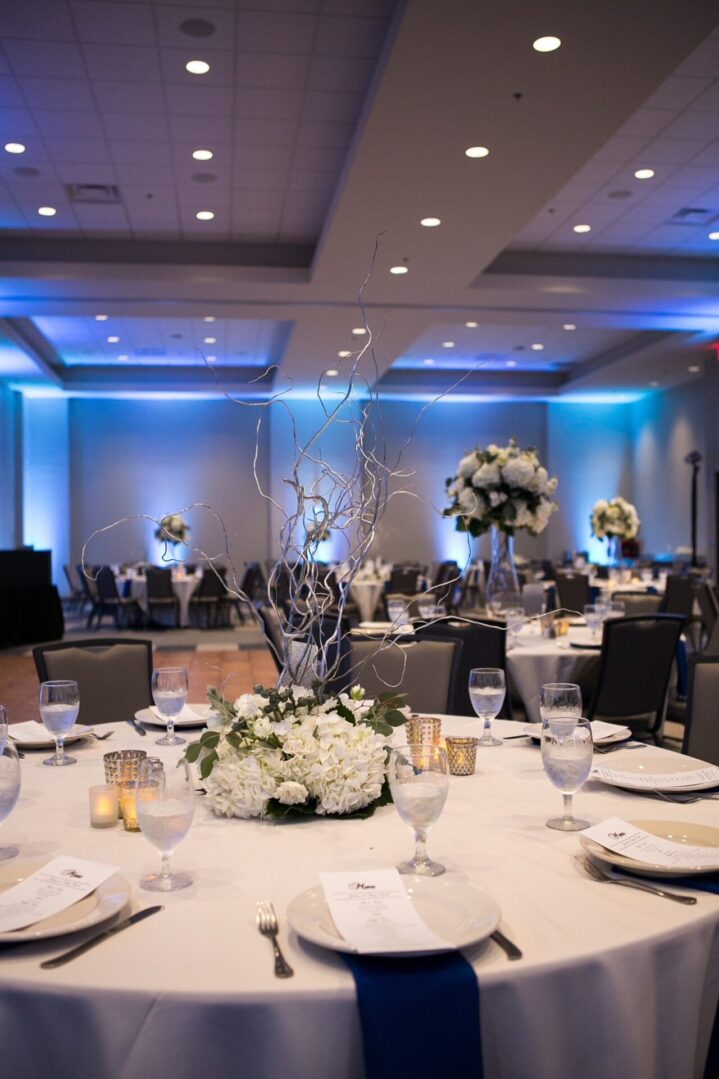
(534, 660)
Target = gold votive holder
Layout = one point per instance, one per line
(122, 766)
(462, 755)
(423, 729)
(104, 806)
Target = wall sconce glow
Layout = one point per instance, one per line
(46, 211)
(204, 215)
(643, 174)
(714, 235)
(430, 222)
(210, 359)
(14, 148)
(197, 67)
(202, 155)
(476, 151)
(471, 325)
(569, 326)
(546, 44)
(343, 353)
(210, 340)
(358, 331)
(694, 369)
(581, 228)
(429, 362)
(511, 363)
(100, 318)
(397, 270)
(123, 357)
(332, 372)
(113, 340)
(537, 347)
(209, 318)
(653, 385)
(448, 344)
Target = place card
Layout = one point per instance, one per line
(708, 776)
(53, 888)
(617, 835)
(373, 912)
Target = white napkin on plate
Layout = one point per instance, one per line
(30, 732)
(190, 713)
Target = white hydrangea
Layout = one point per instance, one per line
(519, 471)
(467, 465)
(240, 786)
(290, 793)
(486, 475)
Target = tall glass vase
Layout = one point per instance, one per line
(502, 584)
(614, 550)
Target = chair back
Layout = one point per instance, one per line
(424, 670)
(708, 607)
(573, 591)
(159, 584)
(634, 667)
(106, 585)
(272, 629)
(638, 602)
(403, 579)
(701, 729)
(211, 585)
(679, 596)
(114, 675)
(482, 646)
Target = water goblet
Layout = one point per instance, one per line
(9, 779)
(169, 692)
(398, 612)
(515, 617)
(165, 807)
(59, 706)
(567, 758)
(616, 609)
(560, 700)
(419, 780)
(487, 688)
(593, 616)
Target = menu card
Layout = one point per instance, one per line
(373, 912)
(617, 835)
(53, 888)
(707, 776)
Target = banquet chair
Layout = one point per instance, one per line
(114, 675)
(425, 671)
(701, 727)
(708, 608)
(634, 668)
(638, 602)
(206, 600)
(403, 579)
(482, 646)
(161, 598)
(77, 597)
(106, 599)
(679, 596)
(573, 591)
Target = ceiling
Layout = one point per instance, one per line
(335, 127)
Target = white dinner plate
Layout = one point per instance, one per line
(381, 628)
(44, 740)
(192, 715)
(630, 764)
(618, 734)
(454, 911)
(106, 901)
(693, 835)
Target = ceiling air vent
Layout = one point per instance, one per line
(102, 194)
(692, 215)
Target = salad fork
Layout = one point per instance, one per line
(268, 927)
(594, 871)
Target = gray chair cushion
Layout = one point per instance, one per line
(422, 670)
(114, 679)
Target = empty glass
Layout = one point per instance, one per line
(567, 758)
(9, 779)
(487, 688)
(165, 808)
(59, 706)
(594, 616)
(398, 612)
(515, 617)
(169, 692)
(419, 780)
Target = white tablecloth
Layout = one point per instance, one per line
(534, 660)
(183, 587)
(613, 982)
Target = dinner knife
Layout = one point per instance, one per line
(512, 951)
(60, 960)
(138, 726)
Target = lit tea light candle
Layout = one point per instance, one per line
(462, 755)
(103, 806)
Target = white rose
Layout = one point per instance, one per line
(290, 793)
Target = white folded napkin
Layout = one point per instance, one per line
(191, 713)
(30, 732)
(601, 731)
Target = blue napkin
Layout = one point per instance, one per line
(420, 1016)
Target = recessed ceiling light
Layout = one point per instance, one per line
(46, 211)
(569, 326)
(112, 340)
(398, 270)
(210, 340)
(476, 151)
(694, 369)
(123, 357)
(343, 353)
(537, 347)
(511, 363)
(14, 147)
(714, 235)
(358, 331)
(430, 222)
(448, 344)
(197, 67)
(204, 215)
(581, 228)
(654, 384)
(546, 44)
(202, 155)
(643, 174)
(428, 362)
(332, 372)
(100, 318)
(209, 318)
(471, 325)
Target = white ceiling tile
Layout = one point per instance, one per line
(621, 148)
(15, 122)
(190, 201)
(259, 31)
(263, 157)
(58, 94)
(323, 180)
(596, 172)
(101, 217)
(306, 202)
(79, 125)
(144, 152)
(134, 195)
(203, 129)
(141, 174)
(249, 176)
(696, 178)
(129, 96)
(85, 173)
(215, 101)
(93, 150)
(40, 193)
(252, 223)
(647, 122)
(120, 24)
(245, 202)
(348, 73)
(268, 132)
(10, 96)
(703, 61)
(346, 36)
(282, 71)
(708, 156)
(370, 8)
(169, 18)
(709, 100)
(672, 151)
(11, 217)
(676, 93)
(268, 104)
(47, 20)
(321, 134)
(150, 126)
(316, 158)
(336, 107)
(123, 63)
(222, 66)
(692, 125)
(52, 58)
(280, 5)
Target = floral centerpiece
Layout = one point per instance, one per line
(614, 520)
(173, 529)
(279, 752)
(505, 489)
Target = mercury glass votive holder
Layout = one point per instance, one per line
(462, 755)
(427, 729)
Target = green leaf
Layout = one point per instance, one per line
(345, 713)
(192, 752)
(233, 739)
(209, 739)
(207, 764)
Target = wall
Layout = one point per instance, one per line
(10, 468)
(45, 480)
(134, 457)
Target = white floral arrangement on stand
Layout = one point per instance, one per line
(503, 487)
(173, 529)
(615, 517)
(285, 752)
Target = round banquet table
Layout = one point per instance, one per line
(613, 981)
(534, 660)
(183, 587)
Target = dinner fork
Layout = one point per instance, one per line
(102, 737)
(683, 799)
(268, 927)
(598, 874)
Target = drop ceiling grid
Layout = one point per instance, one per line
(135, 115)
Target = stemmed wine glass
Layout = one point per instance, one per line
(169, 692)
(9, 779)
(487, 688)
(165, 808)
(594, 614)
(59, 706)
(515, 617)
(419, 780)
(567, 747)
